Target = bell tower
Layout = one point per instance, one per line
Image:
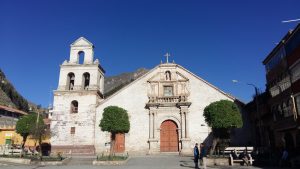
(80, 89)
(81, 45)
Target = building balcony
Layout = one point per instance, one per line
(168, 99)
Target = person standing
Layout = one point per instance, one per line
(284, 158)
(196, 155)
(202, 156)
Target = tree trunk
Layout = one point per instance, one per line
(214, 143)
(23, 145)
(112, 144)
(40, 149)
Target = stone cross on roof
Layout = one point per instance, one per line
(167, 55)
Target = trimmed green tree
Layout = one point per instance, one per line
(23, 127)
(222, 116)
(114, 120)
(27, 125)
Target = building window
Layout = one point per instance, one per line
(276, 58)
(70, 81)
(72, 130)
(168, 90)
(86, 81)
(74, 106)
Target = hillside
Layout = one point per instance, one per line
(114, 83)
(9, 96)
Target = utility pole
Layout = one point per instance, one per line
(257, 110)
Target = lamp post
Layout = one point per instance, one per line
(257, 109)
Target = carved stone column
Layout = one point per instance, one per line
(182, 124)
(185, 140)
(153, 141)
(187, 128)
(150, 125)
(154, 124)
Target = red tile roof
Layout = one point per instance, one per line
(10, 109)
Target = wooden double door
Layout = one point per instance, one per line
(169, 137)
(119, 143)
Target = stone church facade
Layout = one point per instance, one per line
(165, 108)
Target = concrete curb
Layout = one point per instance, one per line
(96, 162)
(15, 160)
(54, 163)
(28, 161)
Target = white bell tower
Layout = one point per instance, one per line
(80, 89)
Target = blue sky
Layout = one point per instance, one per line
(217, 40)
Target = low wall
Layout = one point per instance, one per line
(217, 161)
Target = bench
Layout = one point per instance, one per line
(239, 150)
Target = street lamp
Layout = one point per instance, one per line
(257, 109)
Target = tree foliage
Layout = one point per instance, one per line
(27, 125)
(223, 114)
(23, 127)
(114, 120)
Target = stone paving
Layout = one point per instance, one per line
(147, 162)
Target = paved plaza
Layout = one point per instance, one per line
(147, 162)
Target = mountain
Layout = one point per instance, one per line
(114, 83)
(10, 96)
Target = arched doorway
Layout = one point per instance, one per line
(169, 137)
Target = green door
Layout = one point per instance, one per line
(8, 141)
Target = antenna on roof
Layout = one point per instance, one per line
(292, 20)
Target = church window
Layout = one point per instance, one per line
(168, 75)
(86, 81)
(168, 90)
(72, 130)
(70, 81)
(81, 57)
(74, 106)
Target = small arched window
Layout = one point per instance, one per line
(81, 57)
(86, 80)
(168, 75)
(70, 81)
(74, 106)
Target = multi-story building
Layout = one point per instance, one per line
(283, 84)
(8, 119)
(8, 135)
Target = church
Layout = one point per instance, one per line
(165, 108)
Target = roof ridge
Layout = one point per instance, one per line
(177, 65)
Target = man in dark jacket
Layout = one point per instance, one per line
(196, 155)
(202, 156)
